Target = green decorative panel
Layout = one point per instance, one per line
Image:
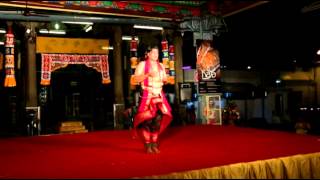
(184, 3)
(160, 9)
(135, 6)
(107, 3)
(185, 12)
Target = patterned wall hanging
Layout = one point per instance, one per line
(1, 61)
(172, 72)
(133, 59)
(52, 62)
(168, 60)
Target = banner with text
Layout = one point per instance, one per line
(208, 67)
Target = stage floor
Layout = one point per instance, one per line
(114, 154)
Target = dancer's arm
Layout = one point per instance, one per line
(139, 75)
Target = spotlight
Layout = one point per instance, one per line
(56, 26)
(88, 28)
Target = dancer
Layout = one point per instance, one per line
(154, 111)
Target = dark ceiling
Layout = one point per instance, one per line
(263, 34)
(275, 35)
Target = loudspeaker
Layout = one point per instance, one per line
(185, 92)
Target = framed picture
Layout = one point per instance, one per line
(213, 109)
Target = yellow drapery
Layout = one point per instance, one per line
(302, 166)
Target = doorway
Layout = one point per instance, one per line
(77, 94)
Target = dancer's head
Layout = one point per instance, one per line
(153, 52)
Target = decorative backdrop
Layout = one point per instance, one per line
(52, 62)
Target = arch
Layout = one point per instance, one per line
(52, 62)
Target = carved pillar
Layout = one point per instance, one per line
(117, 66)
(178, 63)
(317, 80)
(31, 81)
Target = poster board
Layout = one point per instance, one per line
(210, 109)
(208, 67)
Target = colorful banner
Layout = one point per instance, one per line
(168, 60)
(10, 80)
(208, 68)
(172, 72)
(1, 61)
(52, 62)
(165, 11)
(133, 60)
(208, 62)
(133, 54)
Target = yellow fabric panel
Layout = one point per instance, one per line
(71, 45)
(293, 167)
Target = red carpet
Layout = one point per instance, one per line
(113, 154)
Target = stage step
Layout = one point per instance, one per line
(69, 127)
(71, 123)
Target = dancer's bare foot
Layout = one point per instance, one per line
(148, 148)
(155, 148)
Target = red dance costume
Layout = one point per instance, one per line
(148, 122)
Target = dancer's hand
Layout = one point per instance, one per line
(152, 74)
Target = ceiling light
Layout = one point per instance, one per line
(148, 27)
(2, 31)
(128, 38)
(88, 28)
(107, 47)
(28, 31)
(56, 26)
(77, 22)
(43, 31)
(57, 32)
(90, 18)
(318, 52)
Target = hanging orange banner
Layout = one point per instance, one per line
(9, 80)
(1, 61)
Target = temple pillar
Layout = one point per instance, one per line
(117, 65)
(31, 72)
(317, 80)
(177, 41)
